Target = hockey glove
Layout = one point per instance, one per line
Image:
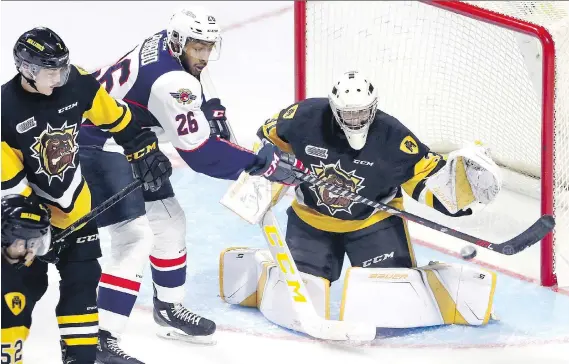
(149, 164)
(215, 113)
(277, 166)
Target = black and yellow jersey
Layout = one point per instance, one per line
(39, 141)
(16, 314)
(392, 159)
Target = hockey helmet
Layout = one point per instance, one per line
(42, 57)
(26, 230)
(353, 100)
(195, 24)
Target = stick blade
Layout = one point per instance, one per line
(543, 226)
(339, 330)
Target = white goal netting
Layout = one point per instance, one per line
(456, 78)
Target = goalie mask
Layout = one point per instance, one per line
(353, 100)
(194, 33)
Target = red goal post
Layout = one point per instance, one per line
(309, 43)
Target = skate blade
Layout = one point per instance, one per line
(174, 334)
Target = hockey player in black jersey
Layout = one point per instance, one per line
(345, 140)
(25, 235)
(42, 109)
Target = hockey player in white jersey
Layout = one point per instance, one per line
(161, 77)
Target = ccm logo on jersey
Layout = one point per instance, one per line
(68, 107)
(88, 238)
(363, 163)
(379, 258)
(141, 153)
(26, 125)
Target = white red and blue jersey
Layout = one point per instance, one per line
(151, 80)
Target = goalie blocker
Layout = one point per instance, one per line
(436, 294)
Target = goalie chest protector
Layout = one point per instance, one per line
(386, 161)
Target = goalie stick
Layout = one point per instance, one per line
(529, 237)
(99, 209)
(308, 321)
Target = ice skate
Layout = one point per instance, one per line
(109, 352)
(178, 323)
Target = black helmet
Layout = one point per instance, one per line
(25, 219)
(41, 48)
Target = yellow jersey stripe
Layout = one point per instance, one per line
(82, 341)
(78, 319)
(80, 207)
(12, 163)
(423, 169)
(12, 334)
(106, 113)
(270, 132)
(334, 225)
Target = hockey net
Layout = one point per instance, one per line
(456, 72)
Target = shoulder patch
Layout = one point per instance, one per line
(409, 145)
(184, 96)
(289, 114)
(15, 301)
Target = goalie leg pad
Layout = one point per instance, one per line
(131, 242)
(240, 270)
(249, 277)
(432, 295)
(168, 256)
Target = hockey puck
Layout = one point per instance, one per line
(468, 252)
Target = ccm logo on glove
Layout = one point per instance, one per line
(273, 166)
(218, 114)
(141, 153)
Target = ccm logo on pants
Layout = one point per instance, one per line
(88, 238)
(377, 259)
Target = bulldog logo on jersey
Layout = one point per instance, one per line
(16, 302)
(334, 174)
(55, 150)
(184, 96)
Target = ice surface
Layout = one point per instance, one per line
(255, 79)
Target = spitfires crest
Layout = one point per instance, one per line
(55, 150)
(184, 96)
(334, 174)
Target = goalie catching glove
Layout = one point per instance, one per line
(277, 166)
(468, 176)
(149, 164)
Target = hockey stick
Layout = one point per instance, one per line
(308, 320)
(529, 237)
(99, 209)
